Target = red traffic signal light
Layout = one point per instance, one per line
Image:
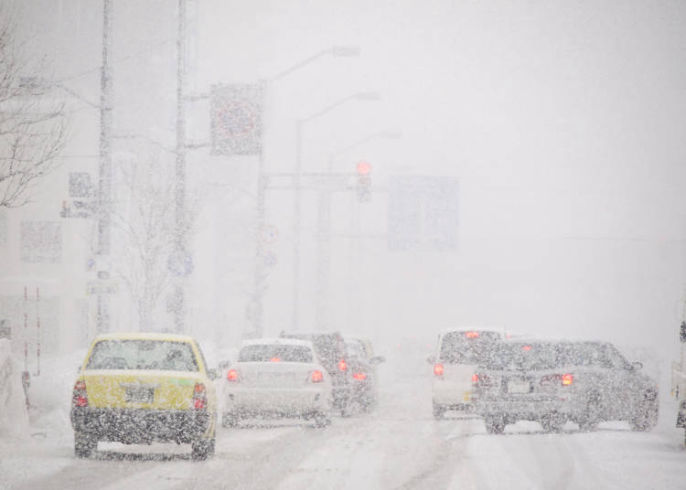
(364, 181)
(364, 168)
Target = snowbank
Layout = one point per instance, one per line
(14, 418)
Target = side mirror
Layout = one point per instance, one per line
(377, 360)
(635, 366)
(431, 359)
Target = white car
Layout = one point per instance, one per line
(277, 378)
(458, 355)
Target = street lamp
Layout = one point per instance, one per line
(361, 96)
(337, 52)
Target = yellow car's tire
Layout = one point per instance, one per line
(201, 449)
(84, 444)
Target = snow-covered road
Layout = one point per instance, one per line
(397, 446)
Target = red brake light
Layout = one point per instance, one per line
(472, 335)
(567, 379)
(79, 397)
(475, 378)
(526, 348)
(275, 359)
(317, 376)
(360, 376)
(438, 369)
(199, 396)
(342, 365)
(232, 375)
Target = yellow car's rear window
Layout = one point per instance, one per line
(142, 354)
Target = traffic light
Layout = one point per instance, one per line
(364, 181)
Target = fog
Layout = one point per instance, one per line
(562, 122)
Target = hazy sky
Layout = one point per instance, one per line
(564, 122)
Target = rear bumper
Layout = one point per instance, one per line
(135, 426)
(529, 408)
(283, 403)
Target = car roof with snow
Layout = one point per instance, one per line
(475, 328)
(276, 341)
(145, 336)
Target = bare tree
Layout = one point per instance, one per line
(32, 127)
(146, 222)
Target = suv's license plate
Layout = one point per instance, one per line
(517, 386)
(140, 395)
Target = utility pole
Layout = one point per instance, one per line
(260, 274)
(180, 192)
(105, 167)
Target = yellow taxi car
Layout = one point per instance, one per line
(137, 388)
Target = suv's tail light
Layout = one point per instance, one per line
(472, 335)
(199, 397)
(438, 369)
(232, 375)
(480, 380)
(317, 376)
(79, 397)
(342, 365)
(359, 376)
(563, 379)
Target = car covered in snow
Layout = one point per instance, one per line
(277, 378)
(136, 388)
(556, 382)
(332, 352)
(458, 354)
(362, 363)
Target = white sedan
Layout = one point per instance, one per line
(277, 378)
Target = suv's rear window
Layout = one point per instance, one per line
(330, 348)
(467, 347)
(585, 354)
(142, 354)
(523, 356)
(271, 352)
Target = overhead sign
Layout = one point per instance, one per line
(236, 119)
(423, 213)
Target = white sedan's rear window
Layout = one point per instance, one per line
(275, 353)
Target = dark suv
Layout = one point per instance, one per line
(331, 351)
(556, 382)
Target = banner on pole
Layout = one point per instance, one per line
(236, 119)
